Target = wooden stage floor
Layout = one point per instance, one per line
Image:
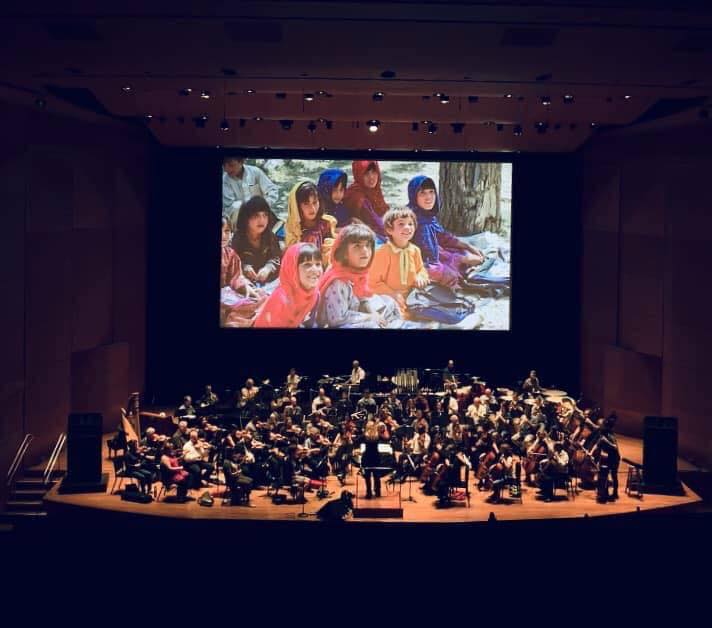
(423, 510)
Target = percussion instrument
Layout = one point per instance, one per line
(553, 392)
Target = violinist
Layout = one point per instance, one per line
(420, 421)
(181, 435)
(367, 403)
(344, 407)
(420, 443)
(236, 480)
(194, 462)
(320, 401)
(138, 468)
(554, 467)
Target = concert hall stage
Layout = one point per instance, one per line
(422, 511)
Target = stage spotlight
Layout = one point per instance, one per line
(308, 97)
(457, 127)
(517, 129)
(322, 148)
(627, 97)
(311, 127)
(472, 99)
(148, 117)
(373, 125)
(205, 94)
(126, 89)
(568, 99)
(593, 125)
(286, 124)
(414, 127)
(432, 128)
(321, 92)
(200, 121)
(378, 96)
(186, 91)
(546, 101)
(258, 119)
(541, 127)
(224, 125)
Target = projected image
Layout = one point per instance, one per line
(333, 244)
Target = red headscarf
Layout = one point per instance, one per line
(358, 192)
(289, 303)
(358, 278)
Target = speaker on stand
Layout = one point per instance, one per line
(84, 434)
(660, 456)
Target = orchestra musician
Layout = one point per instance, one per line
(186, 408)
(181, 435)
(357, 374)
(501, 473)
(209, 398)
(237, 481)
(531, 383)
(449, 375)
(195, 462)
(293, 381)
(320, 401)
(248, 393)
(175, 473)
(556, 465)
(367, 403)
(609, 458)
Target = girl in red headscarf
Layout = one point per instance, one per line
(364, 197)
(346, 300)
(297, 293)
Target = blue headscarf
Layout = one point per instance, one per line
(426, 235)
(327, 182)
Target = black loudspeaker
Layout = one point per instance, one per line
(660, 455)
(84, 433)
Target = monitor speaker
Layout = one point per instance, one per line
(660, 455)
(84, 433)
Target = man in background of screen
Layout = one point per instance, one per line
(241, 182)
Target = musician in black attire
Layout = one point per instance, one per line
(449, 376)
(367, 403)
(235, 478)
(609, 456)
(344, 407)
(531, 383)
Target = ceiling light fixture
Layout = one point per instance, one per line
(373, 125)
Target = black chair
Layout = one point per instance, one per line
(121, 473)
(167, 484)
(116, 444)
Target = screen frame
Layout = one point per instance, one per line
(437, 156)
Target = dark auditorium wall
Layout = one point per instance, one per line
(73, 200)
(647, 251)
(186, 348)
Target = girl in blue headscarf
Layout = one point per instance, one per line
(332, 187)
(446, 257)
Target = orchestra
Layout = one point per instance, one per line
(491, 438)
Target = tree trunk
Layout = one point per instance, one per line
(470, 197)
